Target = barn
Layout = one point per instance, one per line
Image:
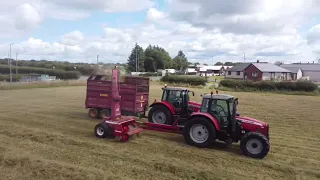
(309, 70)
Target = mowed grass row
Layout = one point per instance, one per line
(46, 134)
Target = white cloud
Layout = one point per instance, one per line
(313, 38)
(72, 38)
(221, 31)
(21, 16)
(244, 16)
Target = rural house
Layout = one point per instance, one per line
(266, 71)
(310, 71)
(237, 71)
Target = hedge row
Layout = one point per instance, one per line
(60, 74)
(15, 78)
(192, 80)
(148, 74)
(307, 86)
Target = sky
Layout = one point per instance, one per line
(207, 31)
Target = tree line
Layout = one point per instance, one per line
(82, 68)
(153, 58)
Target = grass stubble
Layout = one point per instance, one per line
(45, 133)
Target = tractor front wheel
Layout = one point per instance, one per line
(199, 132)
(255, 145)
(102, 130)
(160, 115)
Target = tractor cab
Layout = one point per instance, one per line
(178, 97)
(224, 108)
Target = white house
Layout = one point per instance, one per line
(172, 71)
(190, 71)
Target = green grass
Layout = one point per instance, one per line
(45, 133)
(219, 78)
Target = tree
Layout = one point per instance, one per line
(156, 58)
(229, 64)
(137, 54)
(180, 61)
(218, 64)
(278, 63)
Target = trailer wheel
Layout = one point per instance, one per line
(93, 113)
(102, 130)
(105, 113)
(255, 145)
(199, 132)
(159, 115)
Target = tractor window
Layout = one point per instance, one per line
(165, 95)
(205, 105)
(231, 106)
(219, 108)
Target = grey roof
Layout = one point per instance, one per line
(218, 96)
(267, 67)
(292, 69)
(176, 88)
(239, 67)
(303, 67)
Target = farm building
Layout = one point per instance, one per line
(266, 71)
(211, 70)
(309, 70)
(296, 72)
(191, 71)
(237, 71)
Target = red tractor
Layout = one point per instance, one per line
(175, 104)
(217, 119)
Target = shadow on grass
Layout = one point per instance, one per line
(218, 145)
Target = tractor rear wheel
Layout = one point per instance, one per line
(93, 113)
(255, 145)
(199, 132)
(102, 130)
(160, 115)
(105, 113)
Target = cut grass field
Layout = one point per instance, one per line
(45, 133)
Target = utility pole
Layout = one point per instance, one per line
(16, 63)
(97, 63)
(244, 57)
(97, 59)
(10, 64)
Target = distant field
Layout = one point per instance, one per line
(48, 84)
(45, 134)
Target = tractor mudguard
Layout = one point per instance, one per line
(209, 116)
(166, 104)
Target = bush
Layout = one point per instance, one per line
(307, 86)
(192, 80)
(60, 74)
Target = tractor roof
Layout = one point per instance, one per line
(175, 88)
(218, 96)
